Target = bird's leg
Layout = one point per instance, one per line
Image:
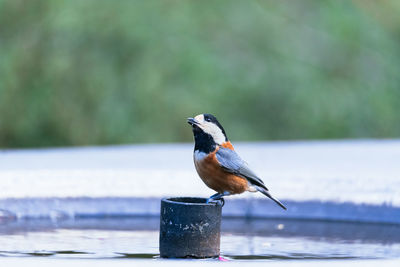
(218, 196)
(214, 197)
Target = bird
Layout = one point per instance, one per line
(218, 164)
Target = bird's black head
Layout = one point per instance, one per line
(208, 132)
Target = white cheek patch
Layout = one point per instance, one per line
(214, 131)
(211, 129)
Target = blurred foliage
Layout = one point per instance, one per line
(101, 72)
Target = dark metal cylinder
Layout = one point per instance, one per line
(189, 228)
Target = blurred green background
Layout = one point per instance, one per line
(110, 72)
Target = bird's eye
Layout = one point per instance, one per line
(207, 119)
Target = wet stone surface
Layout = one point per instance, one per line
(241, 239)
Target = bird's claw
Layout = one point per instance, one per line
(221, 201)
(218, 201)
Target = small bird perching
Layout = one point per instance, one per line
(190, 227)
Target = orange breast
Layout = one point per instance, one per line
(216, 178)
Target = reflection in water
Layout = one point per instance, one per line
(317, 230)
(241, 239)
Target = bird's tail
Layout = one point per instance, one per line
(265, 192)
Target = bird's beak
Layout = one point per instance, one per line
(192, 121)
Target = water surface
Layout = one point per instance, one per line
(242, 239)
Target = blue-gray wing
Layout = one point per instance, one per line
(231, 162)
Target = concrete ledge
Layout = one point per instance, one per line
(60, 208)
(325, 180)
